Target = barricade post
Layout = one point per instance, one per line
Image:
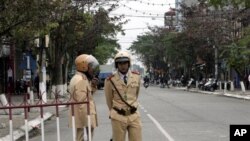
(26, 106)
(89, 119)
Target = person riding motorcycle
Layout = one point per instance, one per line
(146, 81)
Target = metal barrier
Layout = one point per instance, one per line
(26, 106)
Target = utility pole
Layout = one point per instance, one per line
(43, 69)
(216, 62)
(29, 78)
(42, 82)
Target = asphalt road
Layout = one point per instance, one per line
(169, 115)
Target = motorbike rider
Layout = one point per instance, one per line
(146, 81)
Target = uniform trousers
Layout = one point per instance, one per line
(133, 128)
(80, 134)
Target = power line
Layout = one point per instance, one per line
(138, 11)
(136, 28)
(153, 4)
(137, 16)
(126, 42)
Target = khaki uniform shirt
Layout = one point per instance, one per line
(129, 92)
(79, 87)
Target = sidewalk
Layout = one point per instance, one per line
(237, 93)
(18, 117)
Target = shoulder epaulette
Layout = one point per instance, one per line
(135, 72)
(110, 76)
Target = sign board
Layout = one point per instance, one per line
(27, 74)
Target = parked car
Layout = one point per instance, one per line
(105, 71)
(102, 77)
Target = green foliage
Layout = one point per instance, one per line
(24, 18)
(106, 50)
(156, 49)
(72, 30)
(245, 41)
(223, 3)
(238, 58)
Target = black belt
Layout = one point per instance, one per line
(123, 112)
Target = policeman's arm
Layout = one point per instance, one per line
(94, 83)
(108, 93)
(80, 93)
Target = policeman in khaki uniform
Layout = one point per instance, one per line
(121, 91)
(80, 85)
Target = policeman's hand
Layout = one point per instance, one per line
(94, 81)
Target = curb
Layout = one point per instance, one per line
(220, 93)
(237, 96)
(31, 125)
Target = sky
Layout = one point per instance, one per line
(141, 14)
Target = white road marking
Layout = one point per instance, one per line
(158, 125)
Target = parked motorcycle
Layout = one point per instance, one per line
(190, 82)
(201, 84)
(211, 85)
(146, 81)
(176, 83)
(146, 84)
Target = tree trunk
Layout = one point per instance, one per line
(57, 85)
(66, 73)
(243, 89)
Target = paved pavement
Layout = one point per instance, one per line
(34, 114)
(18, 116)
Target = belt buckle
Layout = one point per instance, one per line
(128, 112)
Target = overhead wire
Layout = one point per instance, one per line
(138, 16)
(142, 12)
(152, 3)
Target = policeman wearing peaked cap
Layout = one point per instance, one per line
(121, 91)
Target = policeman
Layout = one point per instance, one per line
(80, 86)
(121, 91)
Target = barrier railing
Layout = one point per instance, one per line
(26, 106)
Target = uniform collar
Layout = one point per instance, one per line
(82, 74)
(122, 75)
(119, 77)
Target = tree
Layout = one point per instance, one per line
(235, 3)
(80, 32)
(73, 30)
